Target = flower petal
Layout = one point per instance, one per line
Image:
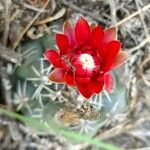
(96, 87)
(88, 89)
(53, 57)
(80, 71)
(109, 34)
(96, 37)
(69, 32)
(69, 78)
(108, 82)
(57, 75)
(121, 58)
(100, 78)
(84, 90)
(107, 65)
(82, 31)
(112, 50)
(63, 43)
(83, 79)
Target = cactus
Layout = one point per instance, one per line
(43, 99)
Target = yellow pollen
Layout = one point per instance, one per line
(87, 61)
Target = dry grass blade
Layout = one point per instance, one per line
(10, 56)
(84, 12)
(146, 61)
(15, 44)
(51, 18)
(137, 47)
(143, 22)
(7, 21)
(132, 15)
(6, 86)
(115, 131)
(113, 11)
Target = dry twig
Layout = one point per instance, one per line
(9, 55)
(84, 12)
(51, 18)
(132, 15)
(15, 44)
(6, 86)
(137, 47)
(112, 5)
(146, 61)
(7, 21)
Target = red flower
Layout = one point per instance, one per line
(86, 55)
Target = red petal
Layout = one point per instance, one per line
(100, 78)
(88, 89)
(121, 58)
(69, 32)
(67, 27)
(96, 87)
(63, 43)
(69, 77)
(82, 72)
(82, 31)
(108, 82)
(110, 34)
(84, 90)
(108, 65)
(53, 57)
(96, 37)
(57, 75)
(83, 79)
(112, 50)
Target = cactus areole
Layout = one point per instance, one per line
(86, 54)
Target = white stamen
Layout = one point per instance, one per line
(87, 61)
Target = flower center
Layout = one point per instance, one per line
(87, 61)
